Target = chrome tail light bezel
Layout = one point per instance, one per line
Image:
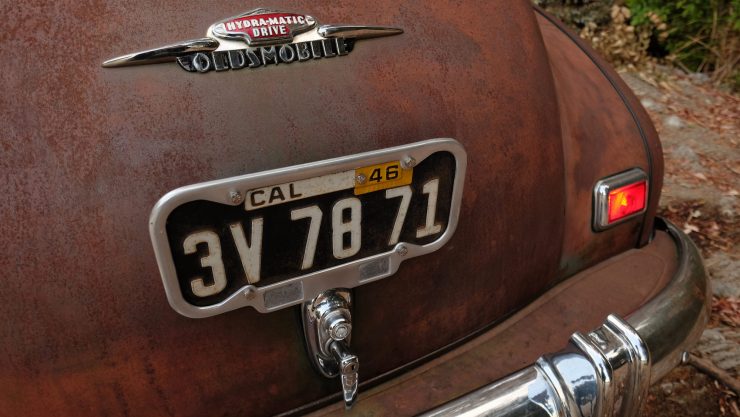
(601, 197)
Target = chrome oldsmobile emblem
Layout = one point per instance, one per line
(271, 37)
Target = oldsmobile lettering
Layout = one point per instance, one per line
(271, 37)
(258, 57)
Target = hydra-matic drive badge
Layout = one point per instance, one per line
(272, 37)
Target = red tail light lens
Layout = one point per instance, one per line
(627, 200)
(620, 197)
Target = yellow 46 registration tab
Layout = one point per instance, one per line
(382, 176)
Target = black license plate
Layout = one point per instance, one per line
(302, 227)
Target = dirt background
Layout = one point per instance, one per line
(699, 126)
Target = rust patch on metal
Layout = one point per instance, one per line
(600, 138)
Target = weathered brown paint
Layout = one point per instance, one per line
(604, 129)
(86, 152)
(600, 139)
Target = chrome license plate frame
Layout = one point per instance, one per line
(302, 288)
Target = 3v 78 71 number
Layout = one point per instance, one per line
(346, 234)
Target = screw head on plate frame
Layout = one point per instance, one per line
(250, 293)
(402, 250)
(236, 197)
(408, 162)
(361, 179)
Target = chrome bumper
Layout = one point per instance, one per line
(606, 372)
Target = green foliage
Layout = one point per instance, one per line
(702, 35)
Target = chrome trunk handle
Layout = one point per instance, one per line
(327, 325)
(348, 366)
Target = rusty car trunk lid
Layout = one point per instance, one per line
(88, 151)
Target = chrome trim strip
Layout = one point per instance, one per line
(606, 372)
(357, 31)
(163, 54)
(601, 197)
(306, 287)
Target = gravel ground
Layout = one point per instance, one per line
(700, 131)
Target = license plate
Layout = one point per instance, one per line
(278, 238)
